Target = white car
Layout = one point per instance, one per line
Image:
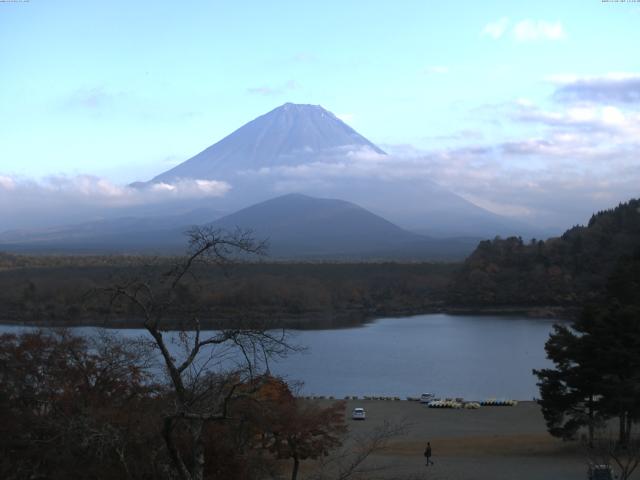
(427, 397)
(358, 414)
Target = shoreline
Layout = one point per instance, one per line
(547, 311)
(373, 399)
(309, 320)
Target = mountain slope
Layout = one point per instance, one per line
(317, 225)
(301, 226)
(286, 135)
(125, 234)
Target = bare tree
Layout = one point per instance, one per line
(352, 460)
(608, 451)
(201, 389)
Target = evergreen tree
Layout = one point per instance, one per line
(570, 393)
(597, 362)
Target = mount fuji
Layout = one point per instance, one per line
(288, 135)
(307, 149)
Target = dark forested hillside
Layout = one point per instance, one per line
(58, 290)
(565, 271)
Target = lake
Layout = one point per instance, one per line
(470, 356)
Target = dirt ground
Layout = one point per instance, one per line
(492, 443)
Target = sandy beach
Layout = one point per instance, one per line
(492, 443)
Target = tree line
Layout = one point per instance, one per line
(295, 295)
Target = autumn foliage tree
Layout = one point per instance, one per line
(72, 407)
(298, 429)
(90, 407)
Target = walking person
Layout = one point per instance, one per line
(427, 454)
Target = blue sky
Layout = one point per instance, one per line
(124, 90)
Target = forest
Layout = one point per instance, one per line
(568, 271)
(61, 290)
(552, 277)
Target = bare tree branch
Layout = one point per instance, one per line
(200, 395)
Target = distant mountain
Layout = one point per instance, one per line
(569, 271)
(299, 226)
(307, 149)
(287, 135)
(121, 235)
(295, 226)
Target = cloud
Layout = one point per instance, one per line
(187, 188)
(552, 181)
(531, 30)
(602, 122)
(100, 191)
(576, 159)
(525, 30)
(7, 183)
(272, 91)
(347, 161)
(610, 88)
(57, 199)
(496, 29)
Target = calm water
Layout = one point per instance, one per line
(474, 357)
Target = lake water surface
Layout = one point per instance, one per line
(469, 356)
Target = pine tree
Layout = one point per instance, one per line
(597, 362)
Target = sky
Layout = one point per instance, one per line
(529, 109)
